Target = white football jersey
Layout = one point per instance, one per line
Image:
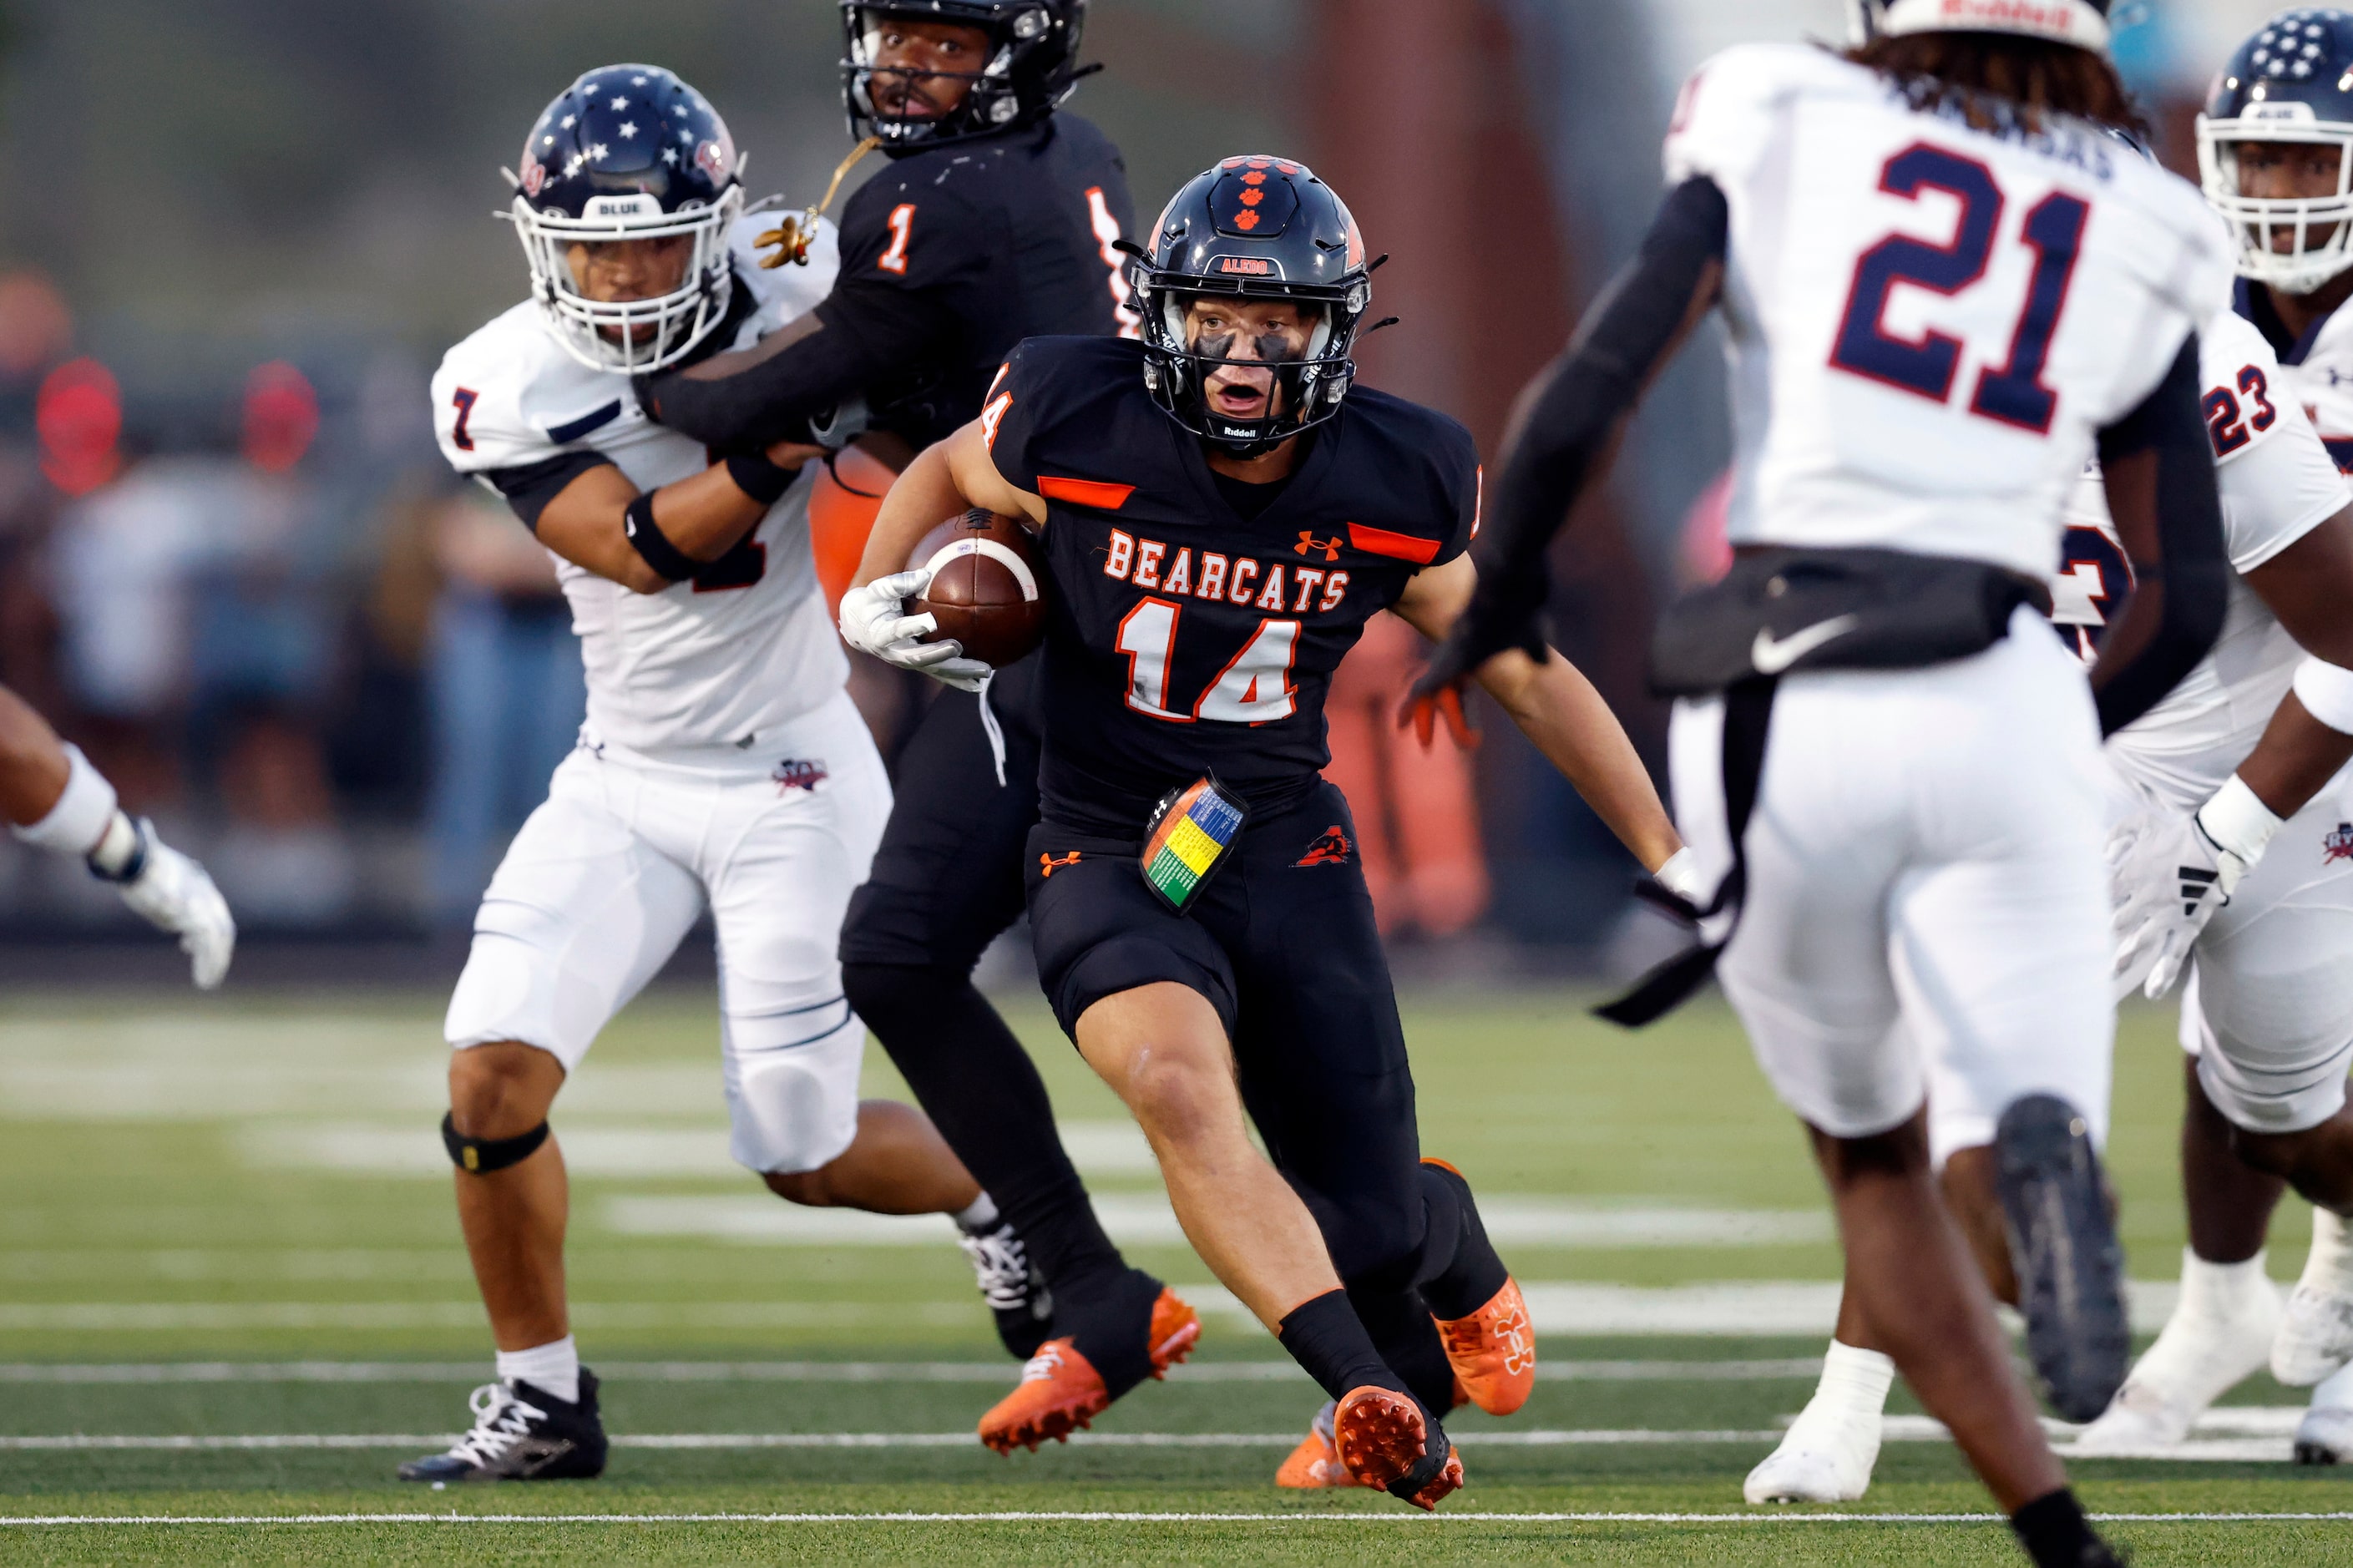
(1929, 324)
(2320, 371)
(718, 663)
(2278, 485)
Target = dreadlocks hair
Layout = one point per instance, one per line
(1995, 78)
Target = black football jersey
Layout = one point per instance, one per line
(950, 255)
(1182, 639)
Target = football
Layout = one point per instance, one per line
(987, 591)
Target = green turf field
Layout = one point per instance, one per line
(230, 1286)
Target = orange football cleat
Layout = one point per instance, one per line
(1315, 1463)
(1383, 1442)
(1060, 1392)
(1494, 1352)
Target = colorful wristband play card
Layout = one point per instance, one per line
(1192, 833)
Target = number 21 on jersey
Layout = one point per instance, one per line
(1254, 688)
(2012, 392)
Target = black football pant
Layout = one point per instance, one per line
(945, 883)
(1281, 941)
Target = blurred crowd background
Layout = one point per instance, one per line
(241, 232)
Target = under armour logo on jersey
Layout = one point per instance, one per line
(2337, 846)
(1309, 544)
(795, 773)
(2196, 883)
(1047, 864)
(1331, 848)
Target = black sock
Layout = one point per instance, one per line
(1461, 1271)
(1397, 1320)
(1113, 1328)
(2056, 1533)
(982, 1092)
(1326, 1337)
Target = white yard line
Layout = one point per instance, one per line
(1453, 1516)
(2241, 1435)
(1792, 1369)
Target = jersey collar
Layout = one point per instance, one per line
(2255, 305)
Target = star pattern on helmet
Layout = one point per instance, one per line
(597, 149)
(628, 130)
(569, 121)
(670, 157)
(618, 104)
(636, 81)
(686, 137)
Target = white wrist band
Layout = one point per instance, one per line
(2327, 692)
(2237, 821)
(79, 821)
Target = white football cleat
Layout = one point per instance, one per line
(2315, 1337)
(2219, 1334)
(1833, 1444)
(2325, 1436)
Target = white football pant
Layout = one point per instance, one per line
(607, 876)
(1926, 884)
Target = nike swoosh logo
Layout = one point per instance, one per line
(1771, 657)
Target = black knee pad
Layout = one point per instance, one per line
(892, 997)
(482, 1155)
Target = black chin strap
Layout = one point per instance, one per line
(1747, 720)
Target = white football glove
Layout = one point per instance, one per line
(2168, 874)
(174, 894)
(874, 620)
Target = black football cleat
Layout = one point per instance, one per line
(522, 1433)
(2063, 1247)
(1016, 1292)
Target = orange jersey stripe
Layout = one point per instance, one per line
(1095, 493)
(1400, 546)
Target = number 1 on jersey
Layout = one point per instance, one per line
(2013, 394)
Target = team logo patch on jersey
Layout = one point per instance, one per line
(1309, 544)
(797, 774)
(1331, 848)
(2337, 846)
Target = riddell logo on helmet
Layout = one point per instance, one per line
(533, 178)
(1248, 266)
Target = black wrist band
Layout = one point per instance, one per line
(761, 480)
(669, 563)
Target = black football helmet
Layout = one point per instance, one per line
(1255, 228)
(2293, 81)
(629, 152)
(2083, 23)
(1032, 66)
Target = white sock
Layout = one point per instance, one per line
(2222, 1290)
(2335, 1392)
(1855, 1382)
(980, 1215)
(2327, 1260)
(555, 1367)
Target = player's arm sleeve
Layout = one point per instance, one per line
(1576, 409)
(893, 304)
(2279, 483)
(532, 487)
(2191, 576)
(1016, 413)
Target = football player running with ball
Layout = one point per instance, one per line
(1221, 512)
(1947, 286)
(992, 223)
(723, 766)
(55, 800)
